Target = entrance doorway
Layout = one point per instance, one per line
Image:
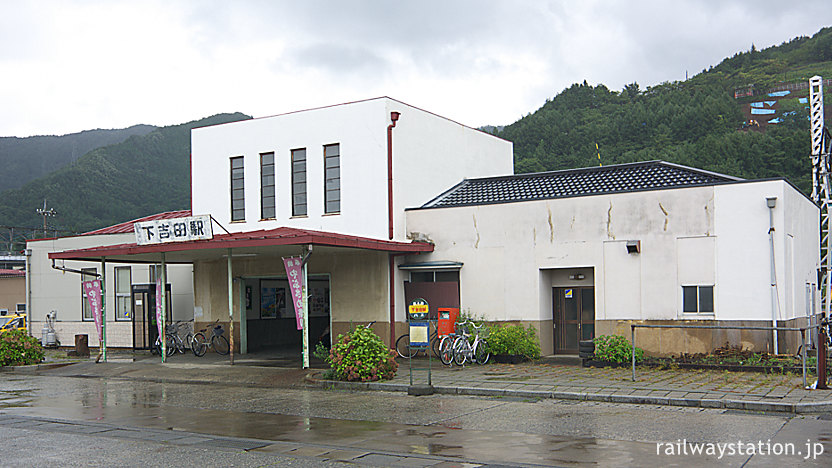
(574, 314)
(270, 315)
(145, 329)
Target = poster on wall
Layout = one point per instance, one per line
(318, 301)
(269, 304)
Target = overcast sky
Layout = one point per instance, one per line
(67, 66)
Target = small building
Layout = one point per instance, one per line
(587, 252)
(129, 289)
(12, 291)
(370, 192)
(335, 180)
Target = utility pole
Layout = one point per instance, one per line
(45, 213)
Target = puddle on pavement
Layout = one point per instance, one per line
(123, 404)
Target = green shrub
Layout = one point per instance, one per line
(361, 355)
(17, 348)
(514, 340)
(615, 348)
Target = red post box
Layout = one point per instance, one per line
(447, 319)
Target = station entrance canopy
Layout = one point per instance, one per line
(273, 241)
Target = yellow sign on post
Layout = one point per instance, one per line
(418, 311)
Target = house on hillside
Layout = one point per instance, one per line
(129, 289)
(371, 192)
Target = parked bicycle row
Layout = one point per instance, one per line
(463, 345)
(197, 342)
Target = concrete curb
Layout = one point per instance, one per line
(34, 367)
(766, 406)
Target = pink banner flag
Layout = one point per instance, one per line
(293, 271)
(93, 291)
(159, 305)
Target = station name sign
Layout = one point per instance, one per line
(173, 230)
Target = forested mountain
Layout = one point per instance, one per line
(25, 159)
(697, 122)
(137, 177)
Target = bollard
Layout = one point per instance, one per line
(82, 348)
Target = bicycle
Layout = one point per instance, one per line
(175, 341)
(464, 349)
(404, 350)
(446, 347)
(200, 344)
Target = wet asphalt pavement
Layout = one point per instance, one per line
(73, 421)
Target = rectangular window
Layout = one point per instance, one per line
(238, 196)
(698, 299)
(332, 178)
(21, 308)
(434, 276)
(124, 311)
(299, 182)
(86, 312)
(267, 205)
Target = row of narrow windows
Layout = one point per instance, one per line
(268, 203)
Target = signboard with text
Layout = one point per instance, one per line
(173, 230)
(92, 289)
(294, 273)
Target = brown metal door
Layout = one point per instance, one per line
(574, 315)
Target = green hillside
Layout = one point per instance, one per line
(137, 177)
(697, 122)
(25, 159)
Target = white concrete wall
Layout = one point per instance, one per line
(61, 291)
(687, 235)
(744, 270)
(430, 155)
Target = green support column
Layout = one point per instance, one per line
(103, 350)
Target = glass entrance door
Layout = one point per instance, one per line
(574, 317)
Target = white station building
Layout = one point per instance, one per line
(392, 202)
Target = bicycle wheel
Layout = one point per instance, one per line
(170, 345)
(481, 352)
(199, 345)
(434, 346)
(461, 348)
(446, 350)
(220, 344)
(403, 348)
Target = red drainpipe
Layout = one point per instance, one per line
(392, 264)
(394, 116)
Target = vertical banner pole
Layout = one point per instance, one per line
(305, 294)
(103, 350)
(164, 313)
(230, 309)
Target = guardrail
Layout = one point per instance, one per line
(802, 331)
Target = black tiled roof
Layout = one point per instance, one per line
(651, 175)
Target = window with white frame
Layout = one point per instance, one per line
(238, 197)
(267, 199)
(332, 178)
(89, 275)
(124, 311)
(299, 182)
(21, 308)
(698, 299)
